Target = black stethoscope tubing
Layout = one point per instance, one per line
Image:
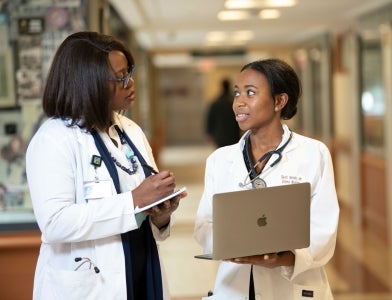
(252, 168)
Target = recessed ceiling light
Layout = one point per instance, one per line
(229, 15)
(242, 35)
(216, 36)
(269, 14)
(232, 37)
(248, 4)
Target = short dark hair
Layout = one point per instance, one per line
(281, 78)
(77, 85)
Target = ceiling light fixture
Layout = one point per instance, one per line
(232, 15)
(238, 36)
(216, 36)
(242, 35)
(249, 4)
(269, 14)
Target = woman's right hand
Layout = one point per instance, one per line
(153, 188)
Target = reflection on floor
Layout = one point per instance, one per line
(361, 268)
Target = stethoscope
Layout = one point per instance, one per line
(258, 182)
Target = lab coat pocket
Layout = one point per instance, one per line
(97, 189)
(69, 284)
(311, 292)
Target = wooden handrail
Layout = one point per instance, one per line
(19, 240)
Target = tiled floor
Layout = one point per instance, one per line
(361, 268)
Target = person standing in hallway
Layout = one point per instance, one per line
(266, 93)
(221, 127)
(90, 169)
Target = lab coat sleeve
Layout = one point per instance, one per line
(203, 222)
(54, 167)
(324, 220)
(159, 234)
(164, 233)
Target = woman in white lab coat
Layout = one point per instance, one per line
(267, 92)
(89, 171)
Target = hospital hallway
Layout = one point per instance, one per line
(361, 268)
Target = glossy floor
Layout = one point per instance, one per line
(361, 268)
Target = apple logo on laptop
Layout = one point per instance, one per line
(262, 221)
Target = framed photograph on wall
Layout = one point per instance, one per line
(7, 90)
(16, 212)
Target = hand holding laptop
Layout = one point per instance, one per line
(268, 260)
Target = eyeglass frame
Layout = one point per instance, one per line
(126, 79)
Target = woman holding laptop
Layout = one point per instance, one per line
(270, 154)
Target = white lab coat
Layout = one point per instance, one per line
(303, 160)
(58, 163)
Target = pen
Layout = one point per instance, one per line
(150, 168)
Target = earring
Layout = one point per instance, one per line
(276, 109)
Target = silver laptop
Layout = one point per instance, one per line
(259, 221)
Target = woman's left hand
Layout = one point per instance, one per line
(160, 214)
(269, 260)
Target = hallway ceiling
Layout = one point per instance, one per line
(165, 25)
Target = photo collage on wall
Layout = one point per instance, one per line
(32, 32)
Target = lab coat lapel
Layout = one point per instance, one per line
(236, 165)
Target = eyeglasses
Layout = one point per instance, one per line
(126, 79)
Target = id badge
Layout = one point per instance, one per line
(97, 189)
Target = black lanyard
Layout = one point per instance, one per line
(143, 271)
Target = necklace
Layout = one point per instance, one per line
(129, 154)
(132, 170)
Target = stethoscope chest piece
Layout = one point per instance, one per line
(259, 183)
